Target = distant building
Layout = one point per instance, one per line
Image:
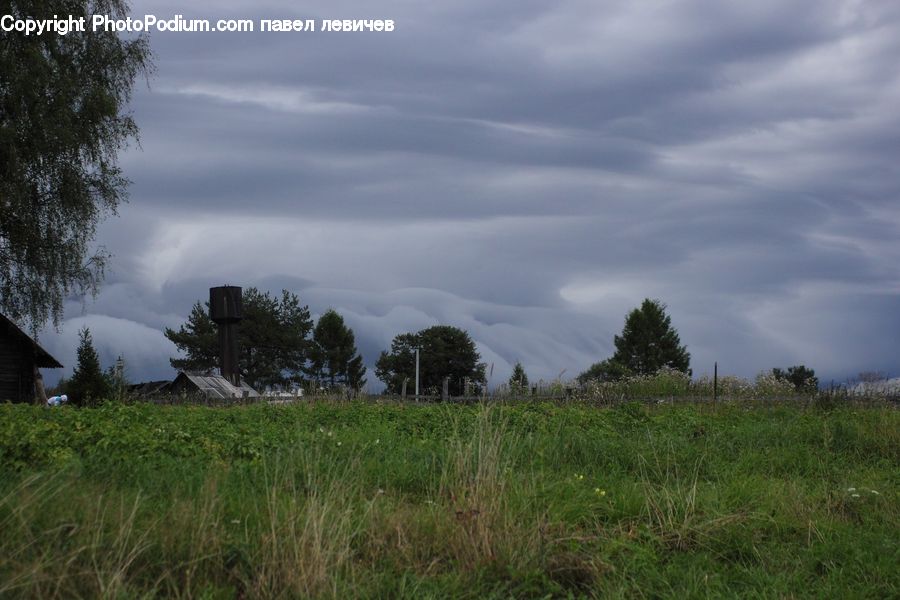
(149, 388)
(211, 386)
(226, 310)
(20, 357)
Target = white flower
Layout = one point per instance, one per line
(854, 495)
(851, 489)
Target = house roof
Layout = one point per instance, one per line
(42, 358)
(147, 388)
(216, 386)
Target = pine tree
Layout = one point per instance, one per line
(518, 381)
(649, 342)
(273, 339)
(334, 355)
(88, 386)
(356, 373)
(198, 338)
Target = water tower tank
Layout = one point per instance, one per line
(225, 304)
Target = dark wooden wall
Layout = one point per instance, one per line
(16, 370)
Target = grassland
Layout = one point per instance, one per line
(362, 499)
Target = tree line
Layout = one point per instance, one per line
(280, 345)
(276, 349)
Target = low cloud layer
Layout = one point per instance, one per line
(528, 172)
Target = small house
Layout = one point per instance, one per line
(20, 357)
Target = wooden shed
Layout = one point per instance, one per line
(19, 357)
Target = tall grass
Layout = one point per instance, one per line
(361, 500)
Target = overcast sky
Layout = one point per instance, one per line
(528, 171)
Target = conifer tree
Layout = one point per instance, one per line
(273, 339)
(649, 342)
(334, 356)
(518, 381)
(88, 386)
(356, 373)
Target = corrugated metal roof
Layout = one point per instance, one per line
(147, 388)
(216, 386)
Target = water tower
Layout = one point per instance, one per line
(226, 310)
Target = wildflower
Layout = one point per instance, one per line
(236, 521)
(579, 477)
(874, 492)
(377, 440)
(321, 430)
(599, 492)
(851, 489)
(339, 443)
(854, 495)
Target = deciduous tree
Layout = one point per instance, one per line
(444, 352)
(802, 377)
(63, 121)
(603, 371)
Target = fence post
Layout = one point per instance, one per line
(715, 382)
(403, 389)
(445, 389)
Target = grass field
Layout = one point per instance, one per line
(375, 500)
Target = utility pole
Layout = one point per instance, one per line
(417, 374)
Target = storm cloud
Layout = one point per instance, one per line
(528, 171)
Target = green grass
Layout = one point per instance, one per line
(386, 500)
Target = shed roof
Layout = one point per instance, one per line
(148, 388)
(42, 358)
(216, 386)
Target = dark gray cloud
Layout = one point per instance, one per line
(529, 171)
